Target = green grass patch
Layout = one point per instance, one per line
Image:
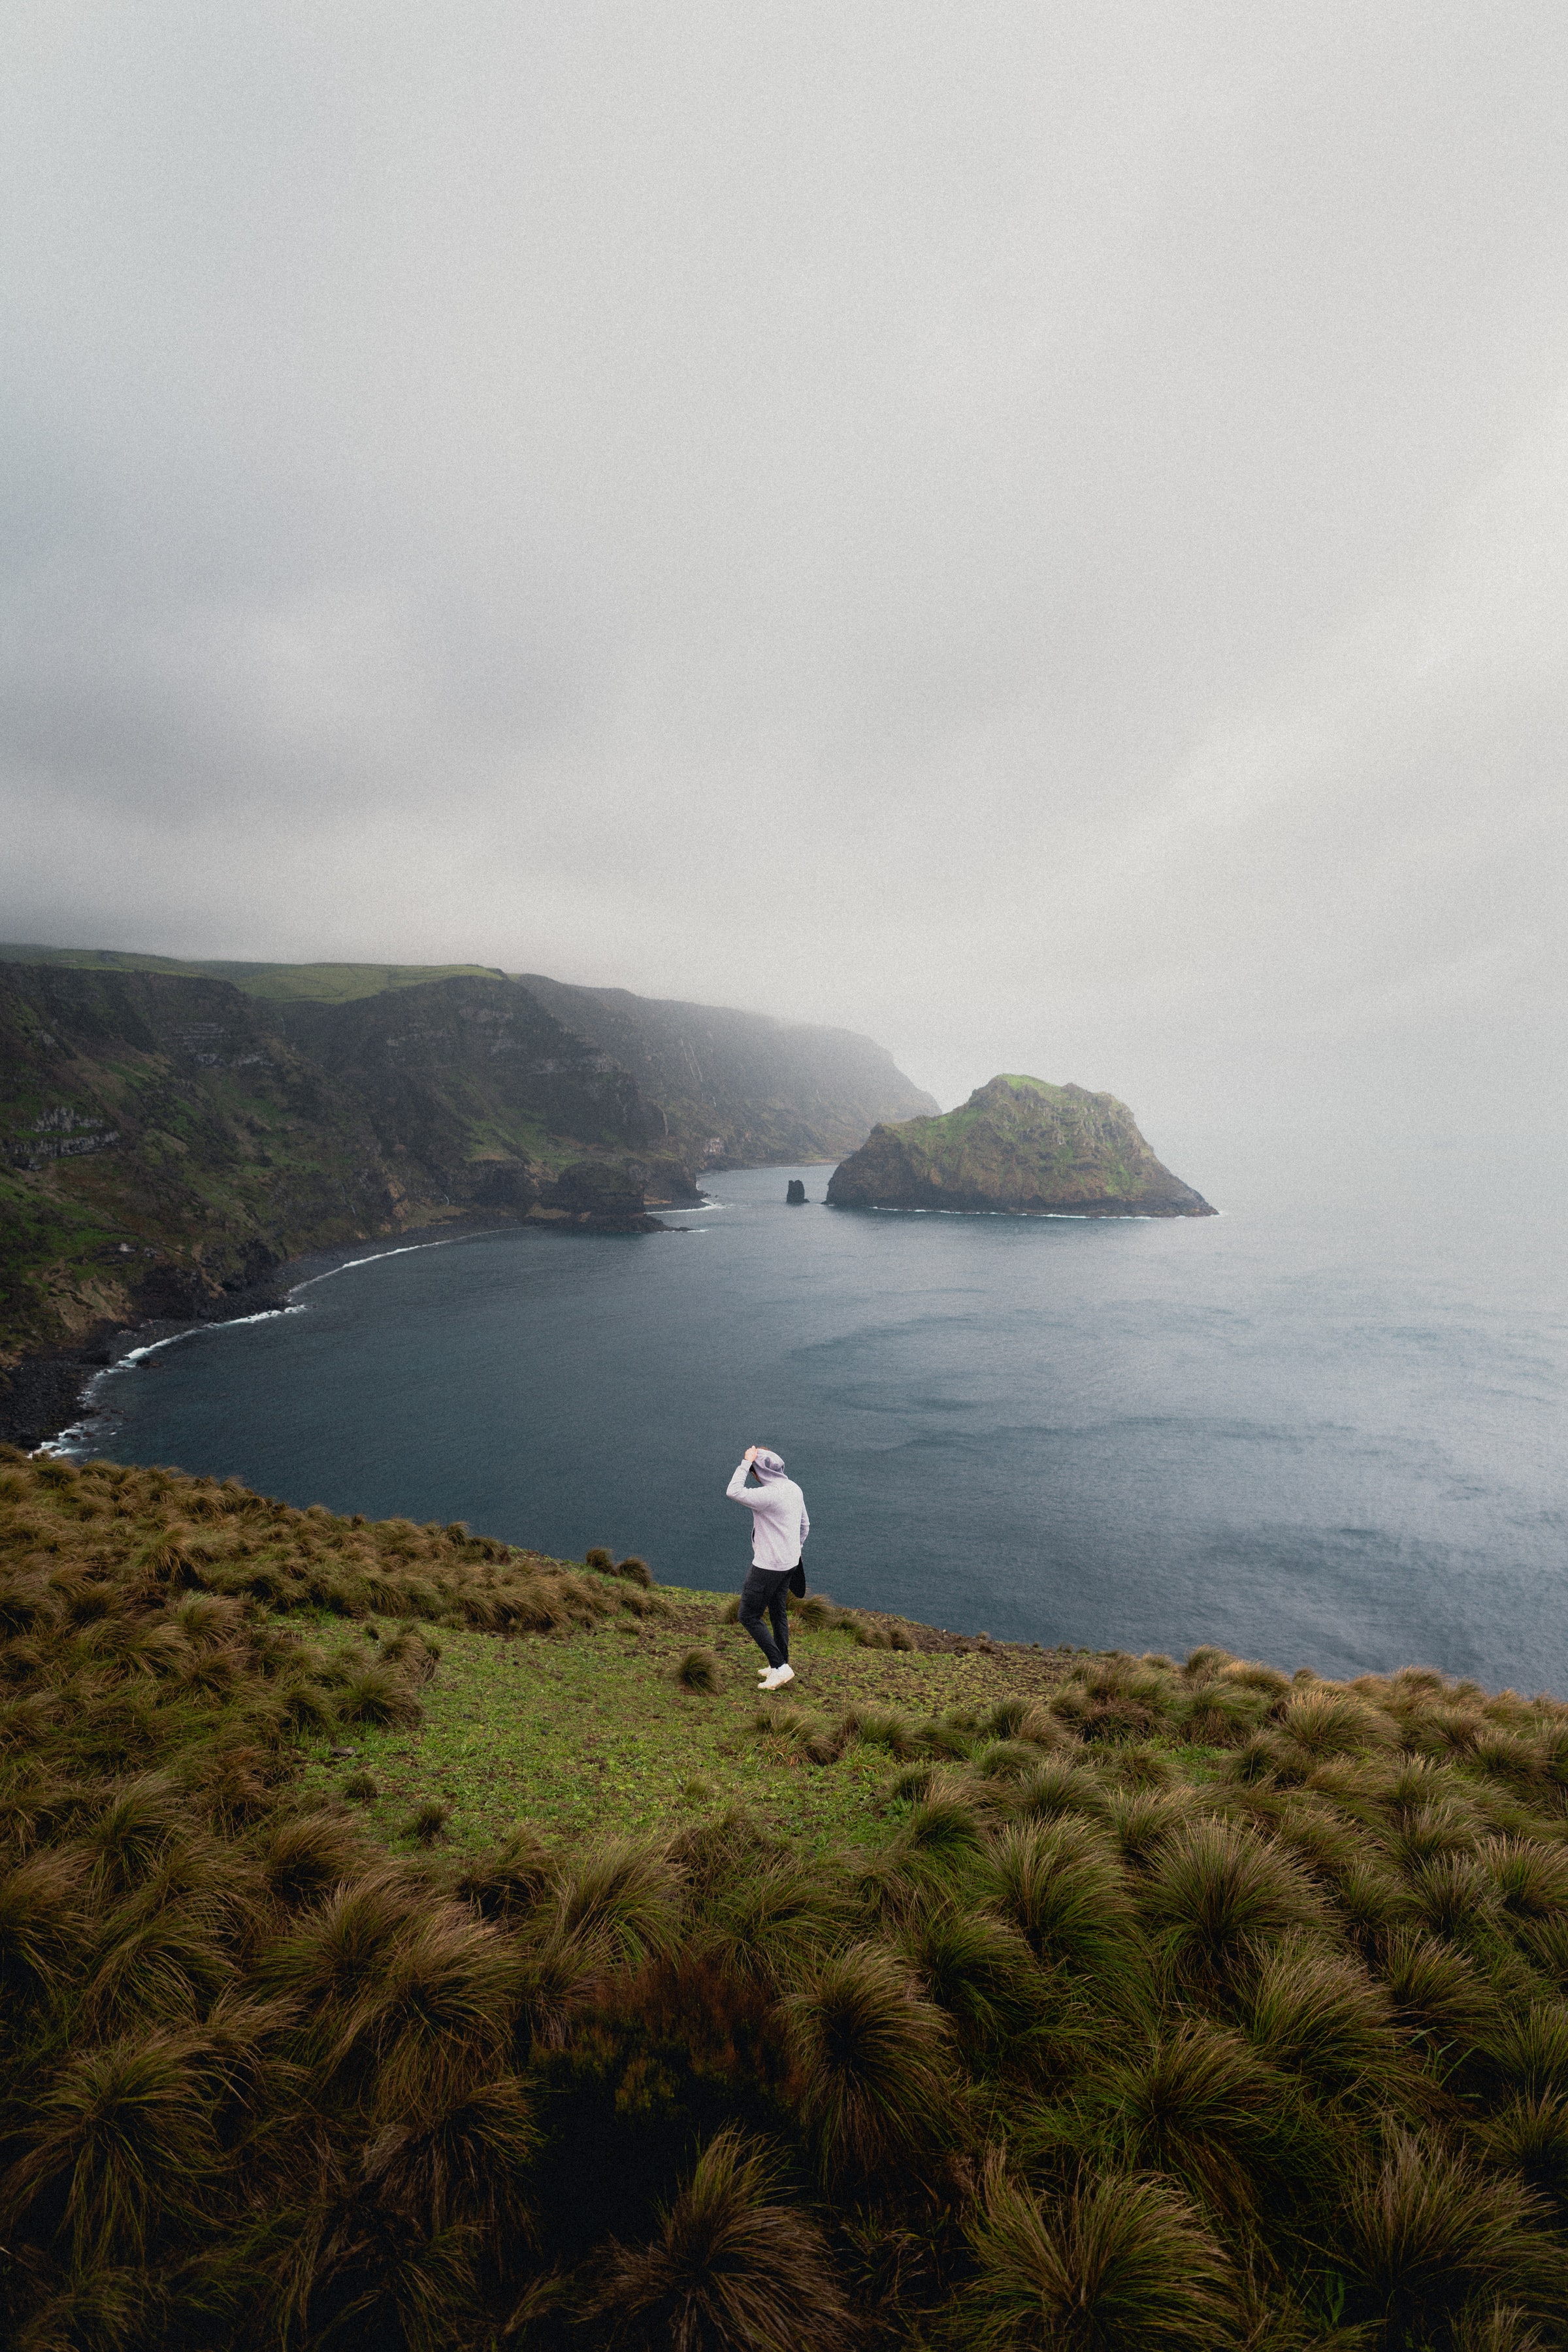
(598, 1734)
(278, 983)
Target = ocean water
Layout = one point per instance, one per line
(1323, 1436)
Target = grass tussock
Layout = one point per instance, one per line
(1154, 2005)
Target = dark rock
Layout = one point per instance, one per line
(40, 1395)
(594, 1196)
(794, 1196)
(505, 1184)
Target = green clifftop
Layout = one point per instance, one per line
(1021, 1146)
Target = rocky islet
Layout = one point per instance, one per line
(1021, 1148)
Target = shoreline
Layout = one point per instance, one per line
(47, 1389)
(44, 1391)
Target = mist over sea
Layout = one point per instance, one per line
(1324, 1428)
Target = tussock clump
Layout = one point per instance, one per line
(1062, 1886)
(1317, 2014)
(1117, 1699)
(1005, 1760)
(1529, 2138)
(734, 2260)
(301, 1859)
(1216, 1716)
(514, 1879)
(881, 1727)
(1214, 1891)
(1204, 2107)
(631, 1571)
(980, 1972)
(620, 1900)
(1427, 2233)
(1142, 1819)
(819, 1740)
(1122, 2264)
(1062, 1785)
(870, 2060)
(698, 1671)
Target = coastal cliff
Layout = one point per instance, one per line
(170, 1137)
(738, 1090)
(1021, 1148)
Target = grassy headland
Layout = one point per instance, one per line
(409, 1941)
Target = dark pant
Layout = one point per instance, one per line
(765, 1594)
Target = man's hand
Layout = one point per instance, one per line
(751, 1454)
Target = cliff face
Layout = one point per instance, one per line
(469, 1067)
(737, 1089)
(165, 1140)
(161, 1147)
(1021, 1146)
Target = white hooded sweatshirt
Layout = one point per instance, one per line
(780, 1525)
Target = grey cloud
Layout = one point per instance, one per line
(1029, 530)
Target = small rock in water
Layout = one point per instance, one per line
(796, 1196)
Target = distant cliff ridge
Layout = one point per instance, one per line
(168, 1136)
(738, 1090)
(1022, 1147)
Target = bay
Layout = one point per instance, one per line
(1326, 1436)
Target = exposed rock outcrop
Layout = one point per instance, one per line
(591, 1197)
(1021, 1148)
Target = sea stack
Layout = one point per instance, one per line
(794, 1195)
(1019, 1148)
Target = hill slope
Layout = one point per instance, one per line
(1021, 1146)
(1041, 2001)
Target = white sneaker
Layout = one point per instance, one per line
(777, 1676)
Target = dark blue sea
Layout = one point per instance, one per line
(1322, 1431)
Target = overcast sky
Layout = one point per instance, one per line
(1036, 531)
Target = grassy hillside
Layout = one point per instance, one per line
(275, 983)
(968, 1998)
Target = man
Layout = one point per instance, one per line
(779, 1529)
